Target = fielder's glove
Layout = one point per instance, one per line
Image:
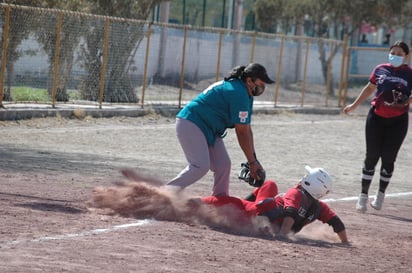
(244, 175)
(399, 99)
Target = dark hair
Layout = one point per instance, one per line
(236, 73)
(252, 70)
(402, 45)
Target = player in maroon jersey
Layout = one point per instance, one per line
(291, 211)
(387, 121)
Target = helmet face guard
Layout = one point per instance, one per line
(244, 174)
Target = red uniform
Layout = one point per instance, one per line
(296, 203)
(264, 194)
(388, 78)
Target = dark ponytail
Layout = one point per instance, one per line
(236, 73)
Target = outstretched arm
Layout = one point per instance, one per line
(245, 139)
(286, 226)
(364, 94)
(339, 228)
(343, 237)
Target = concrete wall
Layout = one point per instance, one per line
(202, 54)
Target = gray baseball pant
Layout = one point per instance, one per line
(201, 158)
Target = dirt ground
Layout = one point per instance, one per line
(49, 168)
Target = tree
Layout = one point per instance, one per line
(18, 31)
(292, 13)
(327, 15)
(69, 40)
(199, 12)
(268, 21)
(118, 86)
(24, 23)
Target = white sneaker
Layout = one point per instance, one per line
(361, 204)
(378, 201)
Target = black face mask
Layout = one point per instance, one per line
(257, 90)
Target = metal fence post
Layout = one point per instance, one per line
(329, 73)
(305, 68)
(4, 53)
(252, 50)
(345, 93)
(182, 68)
(282, 42)
(146, 62)
(57, 58)
(342, 69)
(219, 54)
(104, 61)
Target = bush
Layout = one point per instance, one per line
(22, 93)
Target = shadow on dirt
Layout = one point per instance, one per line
(294, 240)
(33, 197)
(51, 207)
(394, 217)
(22, 160)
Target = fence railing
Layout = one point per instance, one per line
(57, 56)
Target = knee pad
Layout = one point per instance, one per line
(386, 174)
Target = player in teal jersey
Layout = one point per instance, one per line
(201, 126)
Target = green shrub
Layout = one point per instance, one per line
(73, 94)
(23, 93)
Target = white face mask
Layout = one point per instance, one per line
(395, 60)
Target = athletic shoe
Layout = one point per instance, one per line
(361, 204)
(378, 201)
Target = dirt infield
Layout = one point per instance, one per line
(49, 168)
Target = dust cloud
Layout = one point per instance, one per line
(143, 197)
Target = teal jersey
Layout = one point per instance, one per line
(221, 106)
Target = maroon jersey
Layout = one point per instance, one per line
(392, 83)
(297, 203)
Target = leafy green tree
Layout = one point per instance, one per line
(268, 21)
(24, 22)
(18, 31)
(327, 16)
(68, 41)
(199, 12)
(118, 86)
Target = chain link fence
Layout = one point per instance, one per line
(54, 56)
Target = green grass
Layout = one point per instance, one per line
(23, 93)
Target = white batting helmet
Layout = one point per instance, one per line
(317, 182)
